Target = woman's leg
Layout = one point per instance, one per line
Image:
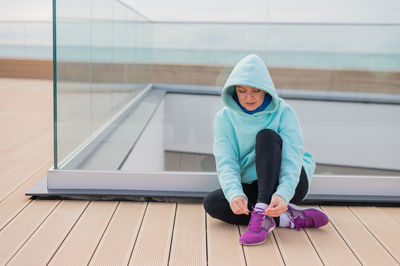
(218, 207)
(297, 217)
(268, 163)
(301, 189)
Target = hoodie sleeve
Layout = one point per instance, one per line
(292, 154)
(226, 157)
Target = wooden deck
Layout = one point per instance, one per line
(40, 232)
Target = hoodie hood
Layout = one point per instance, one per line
(250, 71)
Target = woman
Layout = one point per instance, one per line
(260, 158)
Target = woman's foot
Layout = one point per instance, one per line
(305, 217)
(258, 229)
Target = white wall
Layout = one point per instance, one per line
(349, 134)
(189, 122)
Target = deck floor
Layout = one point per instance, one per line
(40, 232)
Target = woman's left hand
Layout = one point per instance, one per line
(276, 207)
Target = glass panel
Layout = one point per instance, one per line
(101, 88)
(333, 46)
(191, 55)
(318, 60)
(108, 53)
(359, 60)
(208, 43)
(208, 52)
(118, 96)
(73, 75)
(94, 56)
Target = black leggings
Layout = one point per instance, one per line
(268, 164)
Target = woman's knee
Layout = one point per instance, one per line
(267, 136)
(211, 202)
(301, 189)
(207, 204)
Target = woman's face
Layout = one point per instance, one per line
(249, 97)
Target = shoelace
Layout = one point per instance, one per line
(256, 220)
(301, 222)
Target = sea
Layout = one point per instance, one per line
(302, 45)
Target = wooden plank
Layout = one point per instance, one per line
(15, 234)
(23, 107)
(393, 213)
(381, 227)
(19, 153)
(25, 154)
(117, 243)
(223, 243)
(15, 131)
(31, 149)
(13, 94)
(7, 166)
(15, 179)
(154, 239)
(23, 93)
(78, 247)
(189, 237)
(17, 201)
(7, 83)
(358, 238)
(296, 248)
(24, 98)
(39, 249)
(330, 246)
(12, 121)
(265, 254)
(41, 133)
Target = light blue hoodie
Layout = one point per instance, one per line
(235, 134)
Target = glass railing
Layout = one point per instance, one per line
(103, 63)
(326, 57)
(304, 45)
(342, 80)
(98, 45)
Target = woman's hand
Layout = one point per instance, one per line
(239, 205)
(276, 207)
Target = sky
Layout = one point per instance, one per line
(338, 11)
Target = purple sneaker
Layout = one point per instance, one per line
(306, 218)
(258, 229)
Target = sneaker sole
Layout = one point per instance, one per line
(258, 243)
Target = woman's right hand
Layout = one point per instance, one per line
(239, 205)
